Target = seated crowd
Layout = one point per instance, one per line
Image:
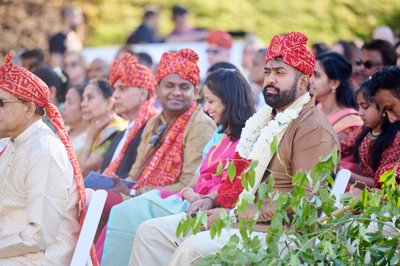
(169, 134)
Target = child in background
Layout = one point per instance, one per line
(374, 145)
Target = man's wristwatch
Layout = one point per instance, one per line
(133, 192)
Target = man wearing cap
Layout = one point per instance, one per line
(40, 181)
(303, 133)
(134, 93)
(219, 46)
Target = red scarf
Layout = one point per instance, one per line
(166, 164)
(26, 86)
(146, 112)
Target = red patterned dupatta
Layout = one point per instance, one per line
(165, 165)
(146, 112)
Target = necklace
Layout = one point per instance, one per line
(210, 160)
(372, 136)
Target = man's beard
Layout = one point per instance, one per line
(281, 98)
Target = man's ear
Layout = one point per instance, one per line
(53, 92)
(157, 90)
(196, 91)
(304, 81)
(30, 110)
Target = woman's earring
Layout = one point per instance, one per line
(333, 90)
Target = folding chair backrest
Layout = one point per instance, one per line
(339, 187)
(81, 255)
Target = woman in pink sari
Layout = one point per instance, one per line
(331, 86)
(229, 102)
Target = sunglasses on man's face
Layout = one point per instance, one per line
(157, 137)
(4, 101)
(367, 64)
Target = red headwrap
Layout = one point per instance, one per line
(132, 74)
(26, 86)
(292, 49)
(219, 38)
(183, 63)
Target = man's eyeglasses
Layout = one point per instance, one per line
(4, 101)
(156, 138)
(367, 64)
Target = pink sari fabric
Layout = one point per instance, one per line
(207, 181)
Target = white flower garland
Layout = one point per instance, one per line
(259, 132)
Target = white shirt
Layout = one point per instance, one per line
(38, 200)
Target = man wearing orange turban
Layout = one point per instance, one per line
(134, 93)
(219, 46)
(303, 135)
(172, 142)
(40, 182)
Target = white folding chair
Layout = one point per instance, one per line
(81, 255)
(339, 187)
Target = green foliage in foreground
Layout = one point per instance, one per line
(358, 232)
(110, 22)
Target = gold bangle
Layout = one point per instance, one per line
(186, 188)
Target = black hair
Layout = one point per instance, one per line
(348, 49)
(235, 93)
(79, 89)
(319, 48)
(178, 10)
(387, 78)
(385, 138)
(337, 67)
(34, 53)
(104, 86)
(144, 59)
(221, 65)
(396, 45)
(148, 13)
(51, 78)
(386, 49)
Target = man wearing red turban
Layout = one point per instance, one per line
(172, 142)
(134, 93)
(219, 46)
(303, 135)
(40, 182)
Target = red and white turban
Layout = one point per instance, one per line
(26, 86)
(292, 48)
(183, 63)
(132, 74)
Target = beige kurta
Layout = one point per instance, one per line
(38, 200)
(197, 133)
(306, 140)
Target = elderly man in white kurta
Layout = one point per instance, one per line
(38, 192)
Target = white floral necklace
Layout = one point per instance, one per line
(259, 133)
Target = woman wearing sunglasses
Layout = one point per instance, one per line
(331, 87)
(229, 102)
